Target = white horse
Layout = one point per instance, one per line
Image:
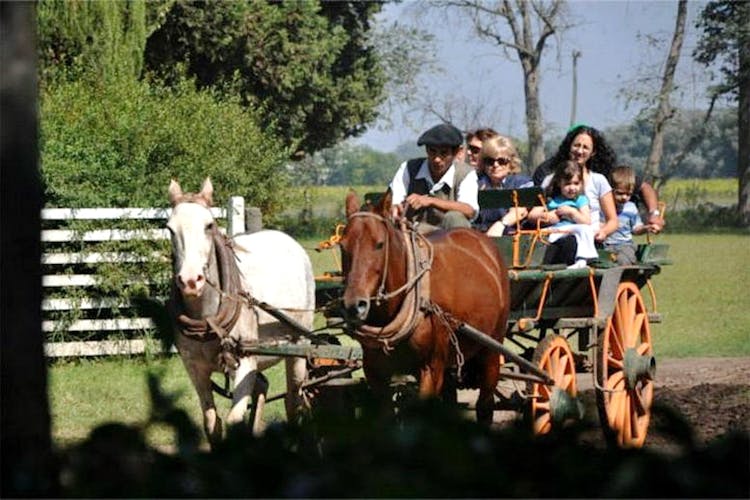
(214, 279)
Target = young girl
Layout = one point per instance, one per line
(566, 200)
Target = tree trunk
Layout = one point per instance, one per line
(743, 126)
(27, 461)
(664, 110)
(533, 115)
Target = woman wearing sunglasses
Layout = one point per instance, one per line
(500, 168)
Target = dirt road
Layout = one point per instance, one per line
(713, 394)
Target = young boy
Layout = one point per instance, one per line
(622, 179)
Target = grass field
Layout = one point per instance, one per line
(702, 298)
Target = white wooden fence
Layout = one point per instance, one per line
(57, 260)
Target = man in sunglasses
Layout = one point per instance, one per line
(437, 191)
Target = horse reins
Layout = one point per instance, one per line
(419, 257)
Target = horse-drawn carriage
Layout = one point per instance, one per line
(556, 322)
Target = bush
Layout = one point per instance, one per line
(117, 145)
(704, 217)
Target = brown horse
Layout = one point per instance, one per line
(406, 294)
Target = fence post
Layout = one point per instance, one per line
(254, 219)
(236, 215)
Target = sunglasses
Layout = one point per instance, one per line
(500, 161)
(475, 149)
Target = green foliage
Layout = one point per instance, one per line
(346, 165)
(77, 37)
(308, 67)
(717, 156)
(725, 27)
(117, 145)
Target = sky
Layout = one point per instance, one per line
(612, 56)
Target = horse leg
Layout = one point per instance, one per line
(200, 376)
(431, 377)
(244, 383)
(296, 374)
(487, 385)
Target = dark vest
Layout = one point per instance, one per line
(419, 186)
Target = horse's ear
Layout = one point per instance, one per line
(384, 207)
(175, 192)
(207, 191)
(352, 203)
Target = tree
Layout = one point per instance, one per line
(307, 67)
(717, 156)
(27, 460)
(521, 27)
(725, 42)
(106, 39)
(664, 111)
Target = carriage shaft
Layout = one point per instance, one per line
(493, 344)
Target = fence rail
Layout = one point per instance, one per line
(83, 283)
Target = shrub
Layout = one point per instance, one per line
(117, 145)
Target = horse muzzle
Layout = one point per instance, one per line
(356, 310)
(191, 287)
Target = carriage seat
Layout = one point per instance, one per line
(522, 247)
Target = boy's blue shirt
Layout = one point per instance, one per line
(627, 219)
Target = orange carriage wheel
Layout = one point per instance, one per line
(625, 370)
(552, 405)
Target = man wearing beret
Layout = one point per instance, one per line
(438, 191)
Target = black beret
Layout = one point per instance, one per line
(444, 134)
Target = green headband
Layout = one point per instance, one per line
(576, 126)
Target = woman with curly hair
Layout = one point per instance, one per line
(587, 146)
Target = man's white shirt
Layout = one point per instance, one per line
(466, 191)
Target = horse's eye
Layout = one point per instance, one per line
(210, 226)
(379, 245)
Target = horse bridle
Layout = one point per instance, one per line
(221, 324)
(416, 288)
(412, 243)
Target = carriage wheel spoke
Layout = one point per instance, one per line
(613, 362)
(643, 348)
(617, 410)
(638, 405)
(542, 424)
(638, 326)
(567, 381)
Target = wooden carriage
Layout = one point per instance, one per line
(563, 322)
